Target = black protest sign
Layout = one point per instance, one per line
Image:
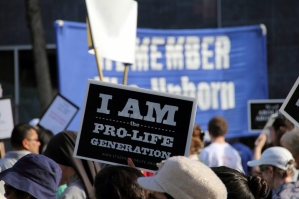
(120, 122)
(290, 107)
(259, 111)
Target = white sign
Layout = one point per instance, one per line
(6, 118)
(290, 108)
(58, 115)
(113, 25)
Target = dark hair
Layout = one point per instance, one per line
(119, 182)
(19, 193)
(19, 133)
(168, 196)
(240, 186)
(278, 122)
(151, 195)
(217, 126)
(44, 136)
(281, 125)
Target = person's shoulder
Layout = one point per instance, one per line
(288, 190)
(208, 148)
(7, 163)
(231, 147)
(74, 191)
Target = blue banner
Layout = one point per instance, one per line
(222, 68)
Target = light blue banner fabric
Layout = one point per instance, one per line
(222, 68)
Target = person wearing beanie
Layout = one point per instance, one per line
(78, 174)
(180, 177)
(33, 176)
(277, 168)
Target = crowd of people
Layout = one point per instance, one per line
(41, 165)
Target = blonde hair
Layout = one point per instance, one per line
(289, 172)
(197, 142)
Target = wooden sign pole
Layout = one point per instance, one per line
(125, 74)
(2, 150)
(96, 52)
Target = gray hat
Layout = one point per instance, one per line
(184, 178)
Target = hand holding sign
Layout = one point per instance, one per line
(131, 163)
(260, 141)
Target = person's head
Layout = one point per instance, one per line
(240, 186)
(181, 177)
(290, 141)
(25, 137)
(276, 165)
(277, 129)
(32, 176)
(217, 127)
(61, 149)
(119, 182)
(197, 142)
(44, 137)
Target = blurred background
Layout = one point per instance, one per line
(18, 76)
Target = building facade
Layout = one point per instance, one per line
(17, 74)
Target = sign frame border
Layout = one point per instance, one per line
(257, 101)
(286, 101)
(140, 90)
(60, 95)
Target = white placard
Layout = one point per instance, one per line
(58, 115)
(113, 28)
(6, 118)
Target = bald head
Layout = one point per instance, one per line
(290, 141)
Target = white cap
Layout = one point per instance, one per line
(182, 177)
(275, 156)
